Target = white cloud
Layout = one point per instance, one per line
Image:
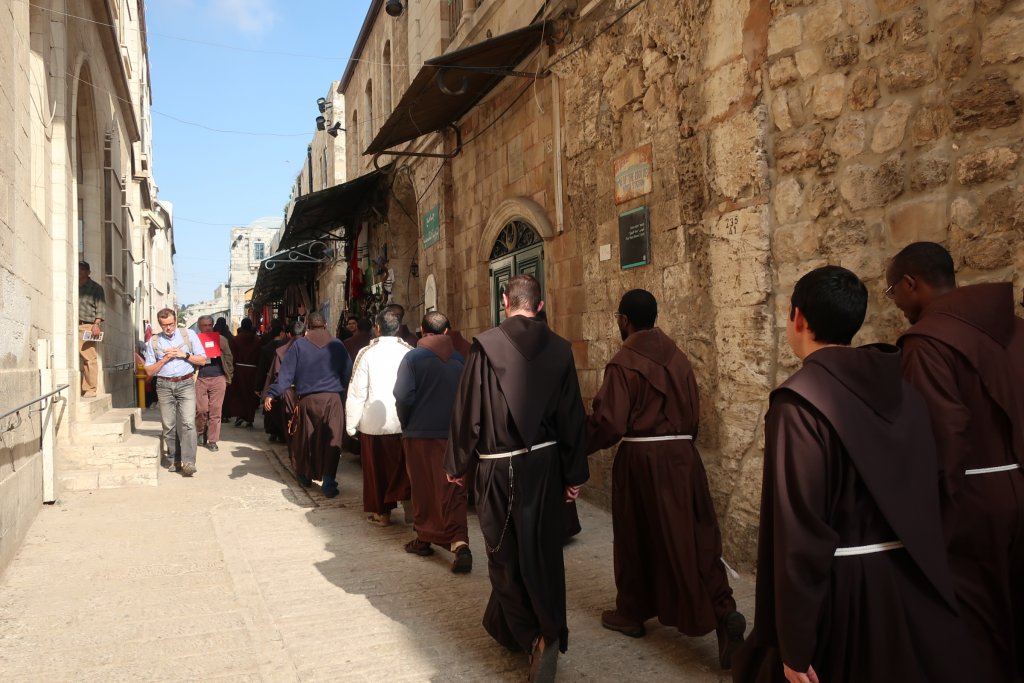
(247, 16)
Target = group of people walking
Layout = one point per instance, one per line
(891, 541)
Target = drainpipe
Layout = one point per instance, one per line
(556, 115)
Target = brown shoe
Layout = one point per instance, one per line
(418, 547)
(730, 637)
(614, 621)
(543, 661)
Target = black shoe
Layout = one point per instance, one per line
(463, 562)
(238, 422)
(418, 547)
(730, 637)
(213, 446)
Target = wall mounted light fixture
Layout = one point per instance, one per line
(321, 123)
(321, 104)
(394, 8)
(333, 130)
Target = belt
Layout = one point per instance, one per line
(182, 378)
(509, 454)
(244, 365)
(990, 470)
(868, 549)
(670, 437)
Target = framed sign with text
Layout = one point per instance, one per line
(635, 238)
(633, 174)
(432, 226)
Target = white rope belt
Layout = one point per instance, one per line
(244, 365)
(509, 454)
(670, 437)
(868, 549)
(990, 470)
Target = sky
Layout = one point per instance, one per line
(217, 180)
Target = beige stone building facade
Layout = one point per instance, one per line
(754, 140)
(75, 183)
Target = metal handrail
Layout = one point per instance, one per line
(59, 389)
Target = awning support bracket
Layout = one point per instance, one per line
(442, 70)
(431, 155)
(308, 252)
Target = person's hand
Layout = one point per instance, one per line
(268, 403)
(797, 677)
(572, 493)
(174, 352)
(95, 330)
(458, 481)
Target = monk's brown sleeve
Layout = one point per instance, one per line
(571, 431)
(610, 419)
(929, 366)
(796, 475)
(464, 432)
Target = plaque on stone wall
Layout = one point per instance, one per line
(635, 238)
(432, 226)
(633, 174)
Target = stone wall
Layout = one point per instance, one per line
(786, 134)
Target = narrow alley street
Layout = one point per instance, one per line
(239, 574)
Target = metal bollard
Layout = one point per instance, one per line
(140, 382)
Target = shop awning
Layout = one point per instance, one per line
(295, 264)
(322, 212)
(447, 87)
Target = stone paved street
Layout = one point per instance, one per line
(240, 575)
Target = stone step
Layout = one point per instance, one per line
(90, 408)
(132, 462)
(112, 426)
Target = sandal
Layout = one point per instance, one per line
(379, 520)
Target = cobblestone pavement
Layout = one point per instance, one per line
(239, 574)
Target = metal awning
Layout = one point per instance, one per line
(292, 265)
(447, 87)
(319, 214)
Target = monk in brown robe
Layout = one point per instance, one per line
(667, 544)
(319, 368)
(428, 378)
(965, 353)
(853, 584)
(520, 413)
(359, 340)
(242, 397)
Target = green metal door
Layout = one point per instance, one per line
(526, 260)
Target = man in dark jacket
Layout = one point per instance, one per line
(520, 413)
(428, 378)
(853, 584)
(965, 353)
(319, 367)
(668, 547)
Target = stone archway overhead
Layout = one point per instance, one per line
(516, 208)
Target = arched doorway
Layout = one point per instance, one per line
(518, 249)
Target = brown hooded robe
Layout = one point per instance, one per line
(966, 356)
(520, 389)
(849, 461)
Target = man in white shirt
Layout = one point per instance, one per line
(370, 409)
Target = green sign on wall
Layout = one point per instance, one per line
(432, 226)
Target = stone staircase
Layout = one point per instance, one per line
(110, 448)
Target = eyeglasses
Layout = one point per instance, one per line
(618, 315)
(889, 294)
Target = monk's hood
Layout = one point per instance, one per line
(528, 336)
(319, 337)
(653, 345)
(987, 307)
(872, 373)
(441, 345)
